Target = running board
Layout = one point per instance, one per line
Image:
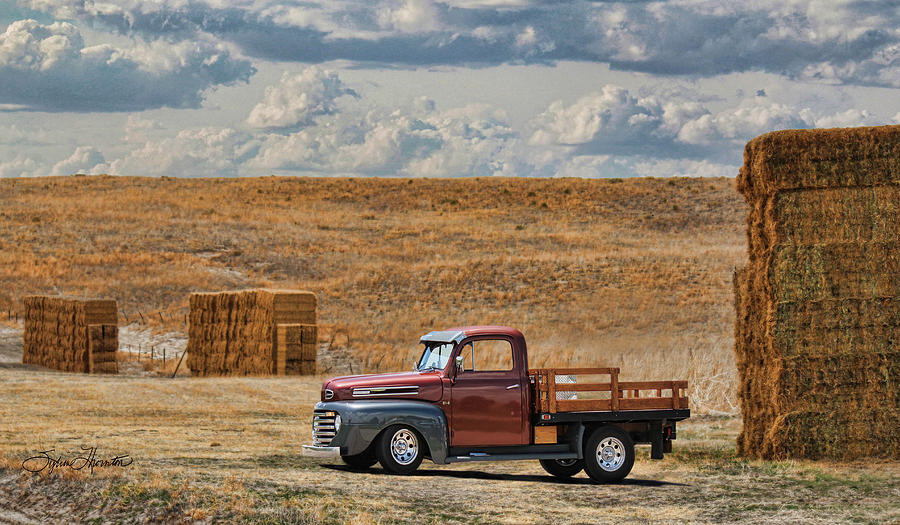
(482, 456)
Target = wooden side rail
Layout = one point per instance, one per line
(631, 398)
(623, 396)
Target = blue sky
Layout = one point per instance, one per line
(419, 88)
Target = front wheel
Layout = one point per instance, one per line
(399, 449)
(562, 468)
(608, 454)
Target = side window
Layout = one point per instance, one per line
(468, 356)
(487, 355)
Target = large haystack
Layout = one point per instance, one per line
(818, 306)
(73, 335)
(252, 332)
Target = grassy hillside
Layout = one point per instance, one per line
(631, 273)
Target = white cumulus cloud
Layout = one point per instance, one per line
(84, 159)
(611, 115)
(20, 166)
(299, 128)
(847, 42)
(409, 16)
(464, 141)
(298, 99)
(49, 68)
(200, 152)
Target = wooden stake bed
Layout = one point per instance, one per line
(634, 395)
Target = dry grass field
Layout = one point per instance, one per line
(225, 450)
(633, 273)
(629, 273)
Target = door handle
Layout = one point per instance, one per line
(510, 387)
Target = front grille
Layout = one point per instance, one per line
(323, 427)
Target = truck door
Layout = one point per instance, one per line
(486, 397)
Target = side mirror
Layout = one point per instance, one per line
(459, 363)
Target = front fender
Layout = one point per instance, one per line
(363, 420)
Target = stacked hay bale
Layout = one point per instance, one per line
(237, 333)
(103, 343)
(817, 336)
(297, 348)
(73, 335)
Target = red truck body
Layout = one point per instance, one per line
(452, 411)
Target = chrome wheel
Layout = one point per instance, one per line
(610, 454)
(404, 446)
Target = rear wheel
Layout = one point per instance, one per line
(361, 461)
(400, 449)
(608, 454)
(562, 468)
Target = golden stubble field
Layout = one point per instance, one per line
(629, 273)
(226, 450)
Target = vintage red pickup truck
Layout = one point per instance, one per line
(455, 406)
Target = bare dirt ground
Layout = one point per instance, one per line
(10, 344)
(228, 449)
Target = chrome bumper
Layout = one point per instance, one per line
(321, 452)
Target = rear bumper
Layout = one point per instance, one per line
(321, 452)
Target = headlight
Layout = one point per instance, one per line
(337, 423)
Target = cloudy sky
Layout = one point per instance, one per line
(431, 88)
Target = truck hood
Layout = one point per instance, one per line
(424, 386)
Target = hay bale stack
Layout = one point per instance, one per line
(103, 343)
(70, 334)
(817, 336)
(236, 333)
(297, 348)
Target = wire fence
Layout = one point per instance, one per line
(159, 356)
(165, 316)
(134, 316)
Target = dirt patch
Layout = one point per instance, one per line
(10, 345)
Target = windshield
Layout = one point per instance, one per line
(435, 355)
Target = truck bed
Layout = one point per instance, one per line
(610, 396)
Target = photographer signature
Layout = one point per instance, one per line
(88, 459)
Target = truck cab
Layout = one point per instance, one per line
(472, 397)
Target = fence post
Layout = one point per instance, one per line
(179, 363)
